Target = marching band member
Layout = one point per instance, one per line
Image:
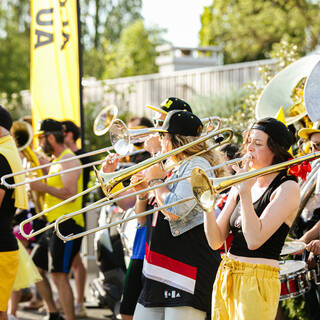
(179, 266)
(259, 213)
(152, 143)
(57, 189)
(310, 226)
(10, 199)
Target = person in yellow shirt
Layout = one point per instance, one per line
(51, 248)
(9, 201)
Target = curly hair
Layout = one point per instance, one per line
(214, 157)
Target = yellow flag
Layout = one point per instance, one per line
(55, 88)
(281, 117)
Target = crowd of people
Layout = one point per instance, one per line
(181, 266)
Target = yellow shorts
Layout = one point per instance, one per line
(8, 269)
(245, 291)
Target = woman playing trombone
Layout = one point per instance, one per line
(259, 212)
(179, 266)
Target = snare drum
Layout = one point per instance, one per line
(293, 278)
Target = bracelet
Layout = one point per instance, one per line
(152, 182)
(143, 198)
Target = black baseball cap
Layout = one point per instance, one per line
(50, 125)
(171, 104)
(5, 118)
(182, 122)
(276, 130)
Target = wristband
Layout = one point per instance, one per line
(143, 198)
(152, 182)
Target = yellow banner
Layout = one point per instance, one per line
(55, 91)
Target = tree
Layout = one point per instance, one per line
(247, 29)
(135, 53)
(105, 19)
(14, 46)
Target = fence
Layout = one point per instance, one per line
(134, 93)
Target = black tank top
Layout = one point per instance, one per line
(272, 247)
(8, 241)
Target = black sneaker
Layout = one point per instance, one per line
(53, 316)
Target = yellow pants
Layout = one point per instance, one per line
(8, 269)
(245, 291)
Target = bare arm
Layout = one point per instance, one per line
(2, 194)
(69, 181)
(283, 207)
(312, 234)
(142, 199)
(217, 230)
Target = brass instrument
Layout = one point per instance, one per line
(311, 93)
(102, 124)
(104, 120)
(22, 134)
(278, 92)
(121, 137)
(205, 190)
(109, 180)
(87, 232)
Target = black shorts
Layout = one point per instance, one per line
(132, 287)
(52, 254)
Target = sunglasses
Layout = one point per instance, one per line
(315, 145)
(158, 122)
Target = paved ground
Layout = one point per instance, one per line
(93, 311)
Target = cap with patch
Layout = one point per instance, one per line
(307, 132)
(50, 125)
(5, 118)
(171, 104)
(182, 122)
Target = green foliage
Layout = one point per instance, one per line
(105, 19)
(93, 63)
(14, 105)
(294, 309)
(247, 29)
(229, 106)
(14, 46)
(135, 52)
(236, 107)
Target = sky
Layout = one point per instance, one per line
(180, 17)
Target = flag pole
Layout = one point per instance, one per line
(82, 126)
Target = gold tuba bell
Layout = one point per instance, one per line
(21, 132)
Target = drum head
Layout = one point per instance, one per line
(290, 247)
(291, 266)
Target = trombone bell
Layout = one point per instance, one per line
(104, 120)
(202, 189)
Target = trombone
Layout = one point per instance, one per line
(109, 180)
(136, 193)
(121, 137)
(205, 189)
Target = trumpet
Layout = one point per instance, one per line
(101, 204)
(109, 180)
(205, 189)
